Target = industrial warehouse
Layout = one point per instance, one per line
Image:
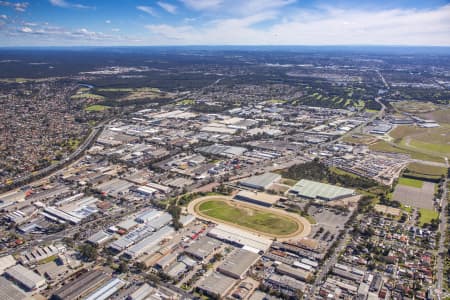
(238, 263)
(260, 182)
(320, 191)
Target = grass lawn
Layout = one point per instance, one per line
(311, 219)
(87, 96)
(186, 102)
(426, 215)
(426, 169)
(410, 182)
(48, 259)
(252, 218)
(438, 149)
(287, 181)
(342, 172)
(96, 107)
(276, 101)
(407, 209)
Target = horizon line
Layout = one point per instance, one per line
(225, 45)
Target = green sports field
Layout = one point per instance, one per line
(259, 220)
(96, 107)
(410, 182)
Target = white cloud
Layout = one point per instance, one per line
(178, 33)
(147, 9)
(26, 30)
(237, 7)
(170, 8)
(108, 21)
(329, 26)
(4, 17)
(18, 6)
(203, 4)
(115, 30)
(65, 4)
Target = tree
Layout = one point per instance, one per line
(123, 267)
(175, 211)
(88, 252)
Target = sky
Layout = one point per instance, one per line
(224, 22)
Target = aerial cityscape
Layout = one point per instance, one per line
(222, 149)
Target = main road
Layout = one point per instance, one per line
(442, 251)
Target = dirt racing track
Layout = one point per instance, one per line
(303, 228)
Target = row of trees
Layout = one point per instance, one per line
(316, 170)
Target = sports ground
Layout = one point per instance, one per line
(270, 222)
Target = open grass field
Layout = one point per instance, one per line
(260, 220)
(96, 108)
(418, 169)
(383, 146)
(426, 215)
(433, 141)
(129, 94)
(440, 115)
(410, 182)
(442, 149)
(88, 96)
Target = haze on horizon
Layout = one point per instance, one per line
(224, 22)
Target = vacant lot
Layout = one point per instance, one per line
(414, 196)
(359, 139)
(259, 220)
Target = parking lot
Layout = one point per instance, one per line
(416, 197)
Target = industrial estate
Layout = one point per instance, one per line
(224, 174)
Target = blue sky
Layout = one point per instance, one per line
(224, 22)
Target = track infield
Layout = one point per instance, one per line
(270, 222)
